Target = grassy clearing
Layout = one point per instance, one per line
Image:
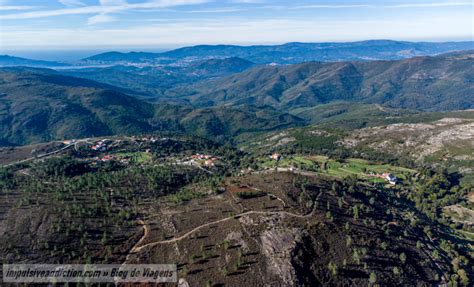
(136, 157)
(184, 195)
(467, 234)
(358, 167)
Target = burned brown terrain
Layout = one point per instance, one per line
(293, 231)
(189, 202)
(10, 155)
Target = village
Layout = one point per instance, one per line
(139, 150)
(154, 150)
(134, 150)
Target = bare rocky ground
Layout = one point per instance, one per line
(15, 154)
(461, 214)
(449, 139)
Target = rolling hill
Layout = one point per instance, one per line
(219, 67)
(438, 83)
(433, 139)
(40, 105)
(153, 81)
(6, 60)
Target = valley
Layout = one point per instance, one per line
(245, 165)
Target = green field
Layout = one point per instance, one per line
(358, 167)
(136, 157)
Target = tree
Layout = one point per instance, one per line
(403, 257)
(355, 211)
(418, 244)
(463, 277)
(356, 256)
(104, 238)
(329, 215)
(334, 188)
(372, 278)
(332, 268)
(395, 270)
(348, 241)
(372, 201)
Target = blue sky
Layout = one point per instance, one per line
(90, 24)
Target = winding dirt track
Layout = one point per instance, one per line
(49, 153)
(146, 230)
(138, 248)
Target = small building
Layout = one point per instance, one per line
(106, 158)
(392, 179)
(201, 156)
(100, 146)
(276, 156)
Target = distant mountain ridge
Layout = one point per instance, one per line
(6, 60)
(152, 81)
(292, 53)
(218, 67)
(437, 83)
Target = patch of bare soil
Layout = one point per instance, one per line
(14, 154)
(447, 139)
(460, 214)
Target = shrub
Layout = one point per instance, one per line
(250, 194)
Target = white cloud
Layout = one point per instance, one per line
(51, 13)
(112, 2)
(217, 10)
(329, 6)
(381, 6)
(4, 7)
(111, 6)
(248, 1)
(71, 3)
(100, 18)
(227, 31)
(428, 5)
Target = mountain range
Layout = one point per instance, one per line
(437, 83)
(225, 98)
(346, 171)
(292, 53)
(38, 105)
(152, 81)
(6, 60)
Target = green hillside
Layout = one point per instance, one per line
(425, 83)
(37, 106)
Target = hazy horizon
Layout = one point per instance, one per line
(58, 54)
(102, 24)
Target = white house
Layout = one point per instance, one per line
(392, 179)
